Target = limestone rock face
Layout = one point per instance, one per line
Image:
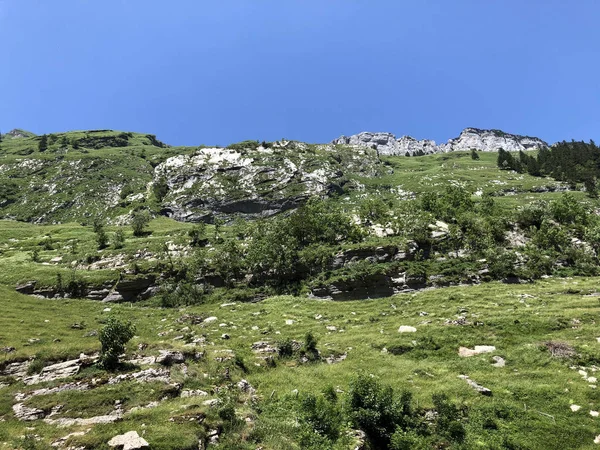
(260, 182)
(491, 141)
(470, 138)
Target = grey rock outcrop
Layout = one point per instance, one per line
(257, 182)
(470, 138)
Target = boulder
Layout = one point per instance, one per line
(129, 441)
(477, 350)
(170, 357)
(26, 288)
(407, 329)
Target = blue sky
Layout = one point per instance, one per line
(216, 72)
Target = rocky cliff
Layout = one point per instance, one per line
(256, 182)
(484, 140)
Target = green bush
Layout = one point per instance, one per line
(113, 337)
(119, 239)
(139, 222)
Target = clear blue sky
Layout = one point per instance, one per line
(220, 71)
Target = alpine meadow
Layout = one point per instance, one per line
(369, 293)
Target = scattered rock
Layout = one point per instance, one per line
(170, 357)
(245, 386)
(210, 319)
(193, 393)
(24, 413)
(466, 352)
(55, 372)
(333, 359)
(263, 347)
(407, 329)
(144, 376)
(479, 388)
(498, 361)
(129, 441)
(575, 408)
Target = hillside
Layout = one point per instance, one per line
(291, 295)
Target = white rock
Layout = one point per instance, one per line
(466, 352)
(575, 408)
(594, 413)
(289, 322)
(129, 441)
(407, 329)
(210, 319)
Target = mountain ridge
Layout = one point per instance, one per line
(488, 140)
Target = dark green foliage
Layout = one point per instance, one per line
(9, 192)
(119, 239)
(160, 189)
(197, 235)
(35, 255)
(474, 154)
(139, 222)
(373, 210)
(113, 337)
(101, 237)
(182, 293)
(374, 410)
(310, 347)
(126, 191)
(323, 414)
(43, 143)
(285, 348)
(244, 145)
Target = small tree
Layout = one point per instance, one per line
(474, 154)
(113, 337)
(197, 235)
(101, 238)
(119, 239)
(140, 221)
(43, 144)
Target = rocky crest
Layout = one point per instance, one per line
(18, 133)
(470, 138)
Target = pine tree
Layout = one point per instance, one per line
(43, 145)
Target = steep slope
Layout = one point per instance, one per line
(470, 138)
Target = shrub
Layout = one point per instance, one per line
(323, 414)
(139, 222)
(310, 347)
(160, 189)
(101, 238)
(119, 239)
(197, 235)
(113, 337)
(373, 410)
(285, 348)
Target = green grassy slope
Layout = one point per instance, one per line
(531, 395)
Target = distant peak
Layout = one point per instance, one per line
(18, 133)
